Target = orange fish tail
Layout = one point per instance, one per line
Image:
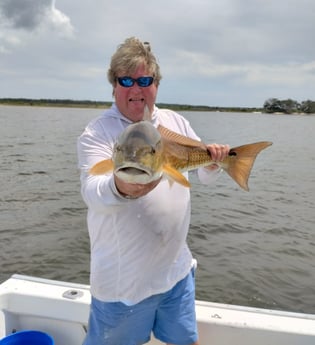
(241, 160)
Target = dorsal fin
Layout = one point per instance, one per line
(179, 139)
(147, 115)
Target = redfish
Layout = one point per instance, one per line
(144, 153)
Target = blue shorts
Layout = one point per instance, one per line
(170, 316)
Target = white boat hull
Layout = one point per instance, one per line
(62, 309)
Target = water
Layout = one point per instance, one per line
(255, 248)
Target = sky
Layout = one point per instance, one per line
(216, 53)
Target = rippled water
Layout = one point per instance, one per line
(255, 248)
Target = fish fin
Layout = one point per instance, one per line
(171, 182)
(147, 114)
(178, 138)
(102, 167)
(175, 175)
(240, 162)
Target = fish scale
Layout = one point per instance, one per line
(157, 151)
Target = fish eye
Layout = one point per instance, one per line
(153, 150)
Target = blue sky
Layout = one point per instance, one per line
(216, 53)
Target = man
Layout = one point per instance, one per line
(142, 271)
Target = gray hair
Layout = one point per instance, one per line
(129, 56)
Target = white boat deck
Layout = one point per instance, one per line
(61, 309)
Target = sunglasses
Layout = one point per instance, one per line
(141, 81)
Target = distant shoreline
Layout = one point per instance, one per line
(100, 104)
(68, 103)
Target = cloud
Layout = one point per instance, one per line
(214, 52)
(24, 14)
(30, 15)
(22, 23)
(60, 21)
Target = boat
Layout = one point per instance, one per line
(61, 309)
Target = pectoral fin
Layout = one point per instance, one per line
(175, 175)
(102, 167)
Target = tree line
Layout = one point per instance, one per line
(271, 105)
(101, 104)
(288, 106)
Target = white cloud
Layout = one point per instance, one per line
(8, 40)
(60, 21)
(26, 20)
(246, 48)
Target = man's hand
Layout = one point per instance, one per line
(218, 154)
(134, 190)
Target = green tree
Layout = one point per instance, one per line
(308, 107)
(286, 106)
(272, 105)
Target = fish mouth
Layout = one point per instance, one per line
(132, 171)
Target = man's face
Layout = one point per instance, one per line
(132, 100)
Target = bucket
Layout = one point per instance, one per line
(27, 338)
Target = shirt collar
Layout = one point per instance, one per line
(116, 113)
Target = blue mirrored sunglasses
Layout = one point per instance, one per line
(141, 81)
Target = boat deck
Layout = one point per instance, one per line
(61, 309)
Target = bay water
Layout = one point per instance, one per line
(253, 248)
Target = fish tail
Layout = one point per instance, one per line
(241, 160)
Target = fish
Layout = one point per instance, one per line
(143, 153)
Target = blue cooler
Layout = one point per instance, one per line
(27, 338)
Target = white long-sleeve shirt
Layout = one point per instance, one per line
(138, 246)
